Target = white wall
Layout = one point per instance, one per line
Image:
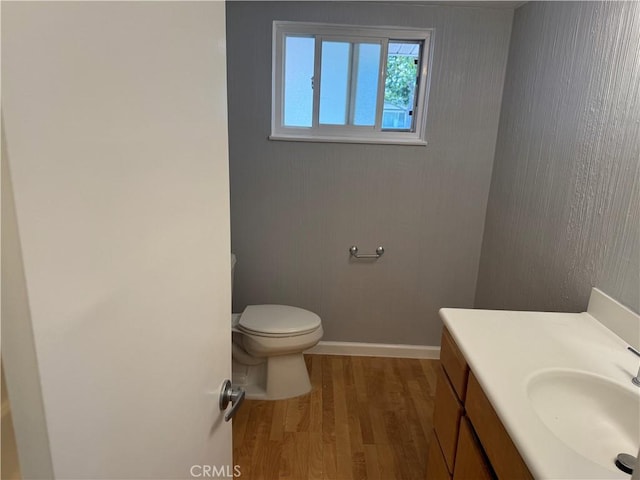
(297, 207)
(116, 135)
(564, 208)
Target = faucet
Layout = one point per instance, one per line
(636, 379)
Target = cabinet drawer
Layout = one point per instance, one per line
(502, 453)
(470, 459)
(446, 418)
(454, 364)
(436, 465)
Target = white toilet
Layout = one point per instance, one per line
(268, 341)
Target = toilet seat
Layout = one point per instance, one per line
(277, 321)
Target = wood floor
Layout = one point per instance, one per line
(365, 418)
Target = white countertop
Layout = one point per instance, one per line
(504, 349)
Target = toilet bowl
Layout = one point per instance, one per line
(268, 341)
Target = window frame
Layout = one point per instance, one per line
(349, 133)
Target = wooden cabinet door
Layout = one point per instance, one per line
(446, 418)
(470, 459)
(436, 466)
(503, 454)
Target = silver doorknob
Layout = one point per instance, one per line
(233, 395)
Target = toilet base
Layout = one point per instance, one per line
(281, 377)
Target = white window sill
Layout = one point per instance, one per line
(376, 141)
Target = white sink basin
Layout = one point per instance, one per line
(596, 417)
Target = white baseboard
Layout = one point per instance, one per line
(356, 349)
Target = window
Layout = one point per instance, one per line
(343, 83)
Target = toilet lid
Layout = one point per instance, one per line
(278, 320)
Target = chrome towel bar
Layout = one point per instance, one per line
(353, 251)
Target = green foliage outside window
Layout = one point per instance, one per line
(401, 79)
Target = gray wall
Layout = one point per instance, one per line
(297, 207)
(564, 206)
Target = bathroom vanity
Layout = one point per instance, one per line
(524, 395)
(469, 440)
